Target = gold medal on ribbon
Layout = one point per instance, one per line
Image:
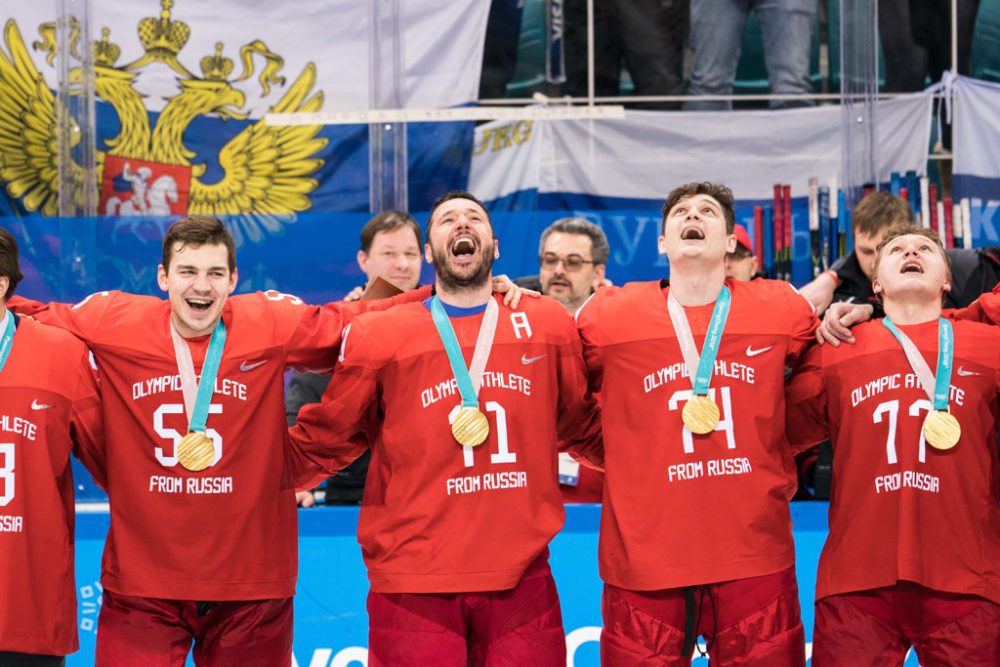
(700, 415)
(195, 451)
(942, 430)
(470, 427)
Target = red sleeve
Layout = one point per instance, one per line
(587, 318)
(81, 319)
(313, 343)
(86, 420)
(803, 324)
(805, 402)
(579, 422)
(329, 435)
(985, 309)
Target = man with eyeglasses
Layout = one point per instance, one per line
(572, 257)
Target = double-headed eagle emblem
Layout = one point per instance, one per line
(146, 169)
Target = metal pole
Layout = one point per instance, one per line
(387, 171)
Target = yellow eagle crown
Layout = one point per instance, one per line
(106, 52)
(162, 36)
(216, 67)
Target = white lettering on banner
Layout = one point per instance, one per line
(351, 655)
(981, 219)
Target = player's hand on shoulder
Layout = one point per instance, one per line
(512, 292)
(305, 498)
(839, 319)
(355, 294)
(820, 291)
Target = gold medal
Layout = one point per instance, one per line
(700, 415)
(470, 427)
(195, 451)
(942, 430)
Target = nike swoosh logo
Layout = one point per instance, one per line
(35, 405)
(527, 361)
(965, 373)
(249, 366)
(753, 353)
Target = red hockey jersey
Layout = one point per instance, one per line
(436, 516)
(49, 406)
(683, 509)
(900, 509)
(228, 532)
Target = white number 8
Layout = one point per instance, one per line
(7, 473)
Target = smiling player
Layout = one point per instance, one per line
(911, 558)
(696, 533)
(203, 541)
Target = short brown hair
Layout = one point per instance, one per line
(716, 191)
(896, 232)
(388, 221)
(195, 231)
(10, 265)
(455, 194)
(879, 211)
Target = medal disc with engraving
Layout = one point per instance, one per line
(700, 415)
(942, 430)
(195, 451)
(470, 427)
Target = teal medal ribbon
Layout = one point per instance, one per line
(703, 365)
(938, 386)
(446, 332)
(8, 337)
(941, 428)
(469, 425)
(209, 372)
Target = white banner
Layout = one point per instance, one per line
(645, 155)
(976, 138)
(442, 45)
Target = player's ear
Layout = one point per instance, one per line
(428, 255)
(496, 248)
(876, 286)
(161, 277)
(661, 244)
(362, 261)
(4, 286)
(234, 277)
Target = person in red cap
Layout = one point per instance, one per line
(741, 264)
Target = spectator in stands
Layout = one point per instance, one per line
(741, 263)
(850, 278)
(503, 31)
(390, 247)
(916, 41)
(573, 256)
(717, 37)
(974, 271)
(644, 37)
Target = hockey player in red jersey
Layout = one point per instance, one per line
(911, 558)
(463, 402)
(202, 544)
(51, 407)
(696, 533)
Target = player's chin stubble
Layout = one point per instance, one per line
(452, 281)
